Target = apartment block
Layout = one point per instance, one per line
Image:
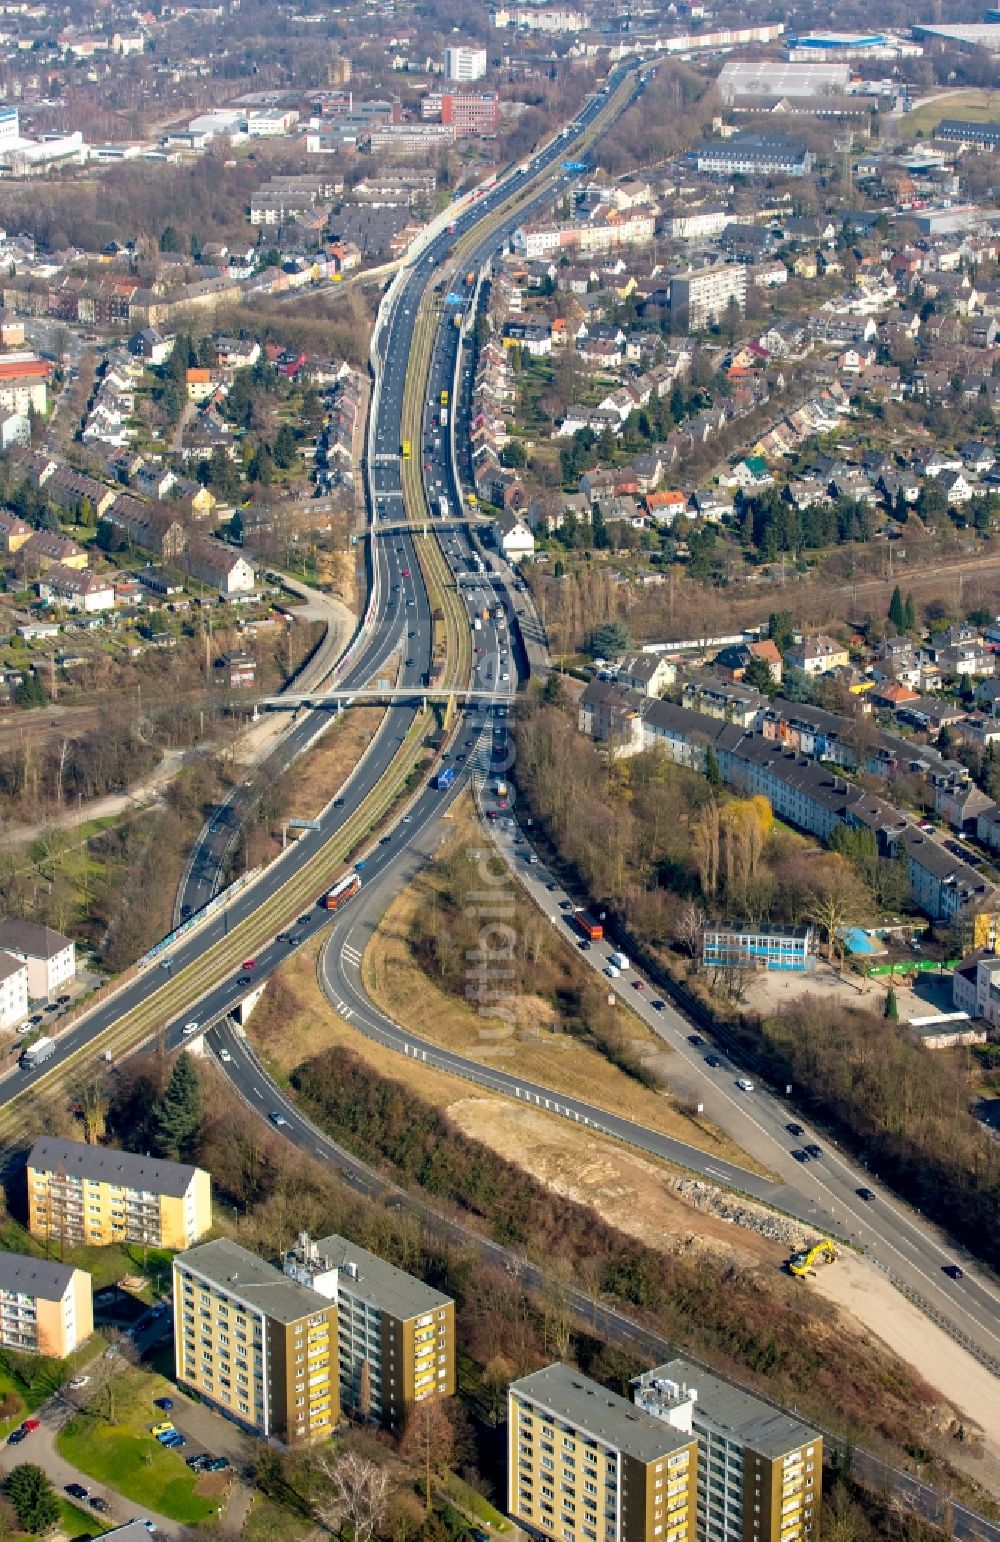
(257, 1345)
(702, 297)
(396, 1335)
(45, 1308)
(760, 1471)
(13, 989)
(96, 1195)
(585, 1465)
(463, 63)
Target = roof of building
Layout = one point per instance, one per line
(394, 1291)
(32, 939)
(35, 1276)
(769, 1431)
(252, 1280)
(104, 1164)
(10, 964)
(602, 1414)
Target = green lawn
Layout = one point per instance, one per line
(105, 1265)
(79, 1523)
(474, 1503)
(973, 106)
(127, 1458)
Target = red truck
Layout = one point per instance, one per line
(591, 929)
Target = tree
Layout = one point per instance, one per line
(891, 1008)
(552, 690)
(31, 691)
(909, 614)
(359, 1494)
(429, 1440)
(33, 1497)
(179, 1112)
(758, 674)
(897, 610)
(609, 640)
(689, 927)
(834, 907)
(713, 774)
(107, 1371)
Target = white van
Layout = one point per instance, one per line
(612, 973)
(621, 960)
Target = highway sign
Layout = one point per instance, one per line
(453, 299)
(304, 824)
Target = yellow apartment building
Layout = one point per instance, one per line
(396, 1335)
(585, 1465)
(760, 1470)
(45, 1308)
(259, 1346)
(96, 1195)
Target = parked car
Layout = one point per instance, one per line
(163, 1428)
(16, 1436)
(100, 1505)
(166, 1403)
(77, 1491)
(217, 1464)
(78, 1382)
(30, 1425)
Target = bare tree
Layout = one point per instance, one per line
(689, 927)
(359, 1494)
(428, 1439)
(108, 1372)
(834, 907)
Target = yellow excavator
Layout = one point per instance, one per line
(801, 1264)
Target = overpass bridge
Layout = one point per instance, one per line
(413, 695)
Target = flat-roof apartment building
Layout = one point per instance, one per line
(585, 1465)
(257, 1345)
(759, 1469)
(45, 1308)
(97, 1195)
(395, 1335)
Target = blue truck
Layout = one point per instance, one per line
(444, 778)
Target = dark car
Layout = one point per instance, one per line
(657, 1005)
(713, 1060)
(77, 1491)
(800, 1156)
(16, 1436)
(583, 945)
(100, 1505)
(217, 1464)
(795, 1129)
(866, 1194)
(243, 979)
(63, 999)
(951, 1270)
(815, 1151)
(166, 1403)
(199, 1462)
(695, 1038)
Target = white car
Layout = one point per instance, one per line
(78, 1382)
(225, 1055)
(189, 1028)
(744, 1084)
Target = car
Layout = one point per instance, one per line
(953, 1271)
(657, 1005)
(166, 1403)
(173, 1442)
(62, 1000)
(16, 1436)
(713, 1060)
(100, 1505)
(249, 963)
(277, 1118)
(53, 1006)
(163, 1428)
(217, 1464)
(409, 663)
(77, 1491)
(583, 945)
(198, 1462)
(814, 1150)
(190, 1028)
(744, 1084)
(338, 802)
(565, 905)
(800, 1156)
(78, 1382)
(406, 572)
(695, 1038)
(140, 1520)
(637, 985)
(866, 1194)
(795, 1129)
(30, 1425)
(243, 979)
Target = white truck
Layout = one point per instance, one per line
(620, 960)
(36, 1053)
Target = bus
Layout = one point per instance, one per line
(341, 892)
(444, 778)
(444, 398)
(406, 450)
(443, 506)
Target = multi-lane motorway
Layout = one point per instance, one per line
(400, 622)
